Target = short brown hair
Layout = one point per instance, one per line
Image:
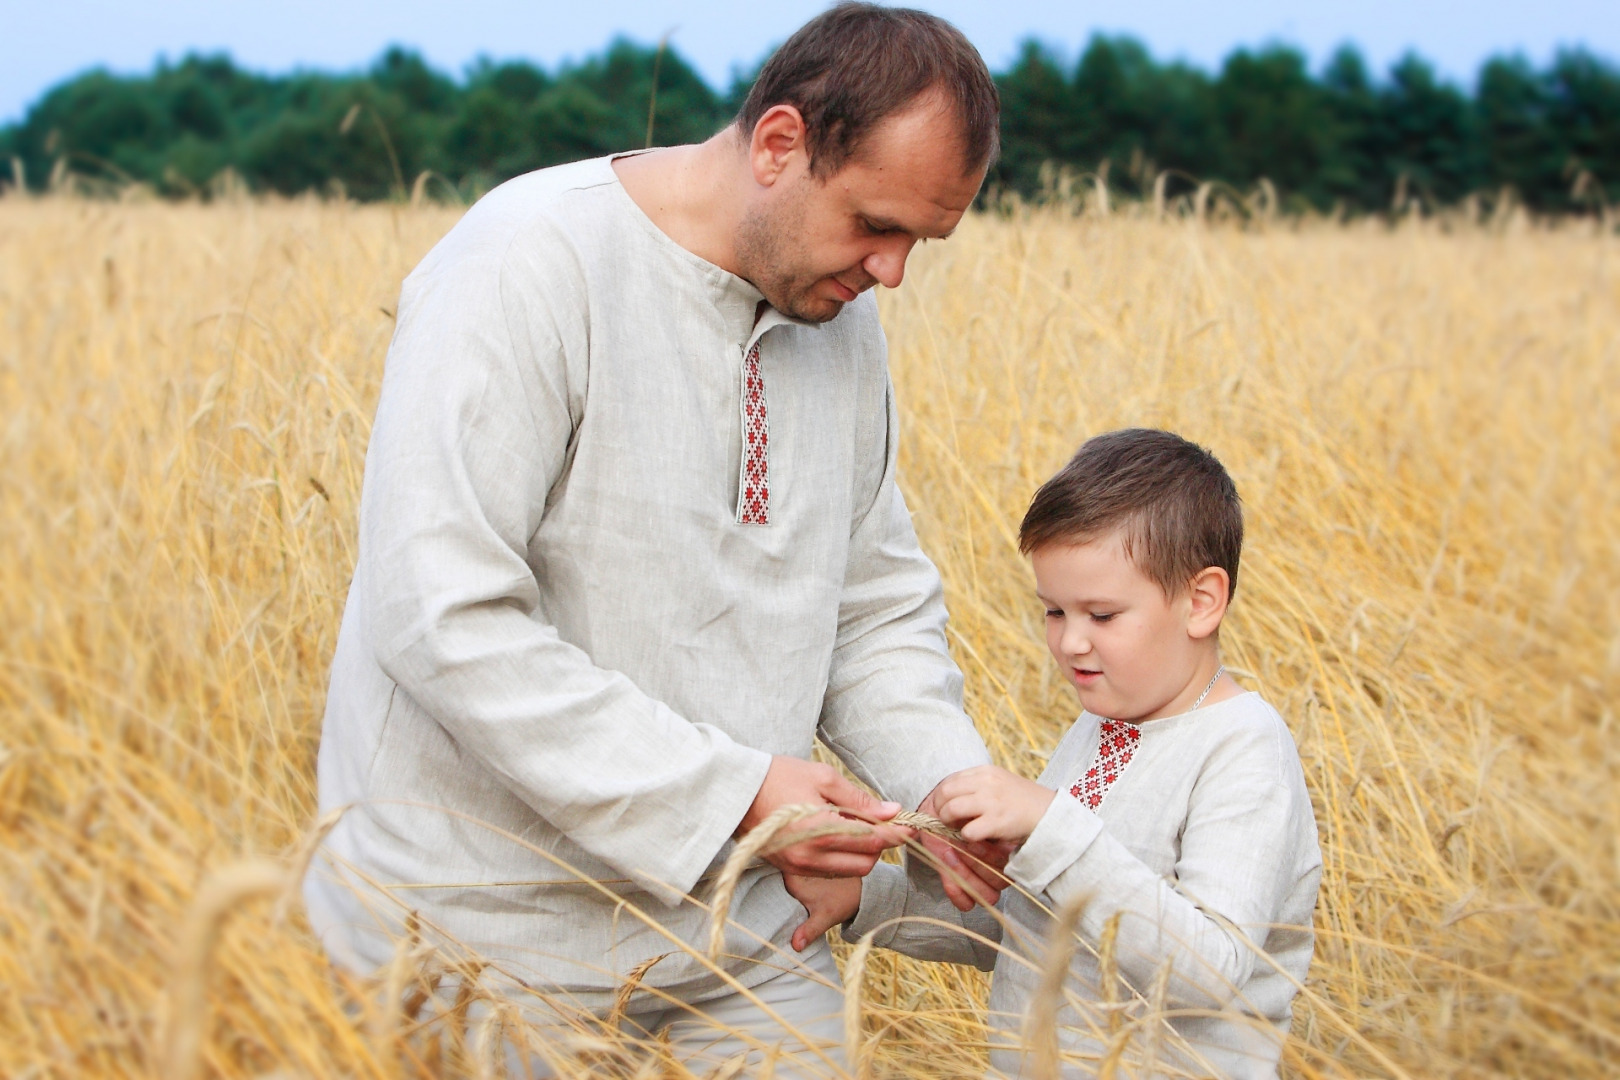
(1173, 504)
(856, 64)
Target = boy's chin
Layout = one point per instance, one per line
(1098, 703)
(1110, 707)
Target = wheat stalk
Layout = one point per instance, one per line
(854, 985)
(221, 894)
(1041, 1023)
(927, 823)
(632, 983)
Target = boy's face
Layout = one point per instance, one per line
(1131, 652)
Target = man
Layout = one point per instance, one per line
(630, 540)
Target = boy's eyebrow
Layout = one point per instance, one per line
(1085, 601)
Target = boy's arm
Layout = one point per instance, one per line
(827, 903)
(1237, 862)
(896, 901)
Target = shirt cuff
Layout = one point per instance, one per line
(883, 898)
(703, 847)
(1062, 835)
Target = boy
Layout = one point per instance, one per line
(1176, 802)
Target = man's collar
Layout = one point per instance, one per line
(769, 317)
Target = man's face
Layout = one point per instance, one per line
(812, 244)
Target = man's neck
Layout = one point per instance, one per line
(691, 194)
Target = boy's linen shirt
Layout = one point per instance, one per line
(562, 656)
(1206, 845)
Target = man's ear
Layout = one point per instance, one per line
(777, 142)
(1209, 593)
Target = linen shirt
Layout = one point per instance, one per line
(564, 664)
(1205, 845)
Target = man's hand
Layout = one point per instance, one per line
(793, 780)
(989, 803)
(827, 903)
(970, 871)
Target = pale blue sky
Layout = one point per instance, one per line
(44, 42)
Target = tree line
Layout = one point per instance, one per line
(1338, 137)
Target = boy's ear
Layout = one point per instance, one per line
(1209, 593)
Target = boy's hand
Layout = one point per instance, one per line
(970, 872)
(990, 803)
(827, 903)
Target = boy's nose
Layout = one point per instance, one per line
(1076, 644)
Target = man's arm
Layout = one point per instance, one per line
(893, 709)
(472, 431)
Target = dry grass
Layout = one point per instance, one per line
(1422, 422)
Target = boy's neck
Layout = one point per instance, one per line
(1209, 675)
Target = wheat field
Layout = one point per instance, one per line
(1421, 418)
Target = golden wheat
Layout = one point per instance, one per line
(1421, 420)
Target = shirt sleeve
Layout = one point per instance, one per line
(906, 910)
(474, 426)
(893, 708)
(1235, 866)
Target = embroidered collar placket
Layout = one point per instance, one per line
(754, 494)
(1116, 742)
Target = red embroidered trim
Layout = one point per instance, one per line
(754, 505)
(1115, 745)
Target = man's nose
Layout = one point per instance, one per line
(888, 263)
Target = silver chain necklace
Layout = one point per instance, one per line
(1218, 673)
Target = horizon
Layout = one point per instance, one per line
(1455, 40)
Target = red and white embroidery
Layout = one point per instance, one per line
(754, 497)
(1115, 745)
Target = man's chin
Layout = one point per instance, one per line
(810, 309)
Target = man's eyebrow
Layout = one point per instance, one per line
(885, 225)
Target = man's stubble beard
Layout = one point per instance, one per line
(771, 254)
